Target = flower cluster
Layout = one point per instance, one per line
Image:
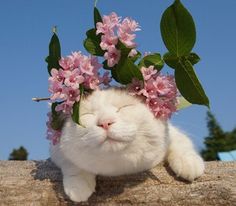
(52, 134)
(114, 30)
(77, 69)
(64, 84)
(159, 92)
(79, 73)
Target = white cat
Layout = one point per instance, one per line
(119, 135)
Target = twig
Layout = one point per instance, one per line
(40, 99)
(95, 3)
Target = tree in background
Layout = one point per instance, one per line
(218, 140)
(19, 154)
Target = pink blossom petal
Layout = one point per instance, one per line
(132, 53)
(112, 56)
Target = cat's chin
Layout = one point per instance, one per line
(114, 144)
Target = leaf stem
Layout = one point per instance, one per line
(95, 3)
(54, 29)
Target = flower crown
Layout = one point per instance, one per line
(112, 38)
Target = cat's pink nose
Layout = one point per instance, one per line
(105, 124)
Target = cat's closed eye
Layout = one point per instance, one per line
(124, 106)
(87, 113)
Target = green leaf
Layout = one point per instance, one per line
(97, 16)
(183, 103)
(54, 53)
(76, 106)
(125, 71)
(178, 30)
(105, 66)
(75, 114)
(172, 60)
(92, 43)
(124, 50)
(189, 85)
(193, 58)
(152, 59)
(136, 57)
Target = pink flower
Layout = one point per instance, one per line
(127, 39)
(126, 30)
(56, 88)
(76, 57)
(107, 41)
(132, 53)
(135, 87)
(65, 107)
(92, 82)
(66, 63)
(64, 84)
(72, 95)
(162, 85)
(149, 90)
(112, 56)
(96, 65)
(73, 79)
(57, 75)
(148, 72)
(129, 25)
(159, 92)
(106, 79)
(86, 66)
(108, 23)
(52, 135)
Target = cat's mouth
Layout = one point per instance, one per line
(114, 140)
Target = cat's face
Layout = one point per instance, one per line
(119, 134)
(112, 119)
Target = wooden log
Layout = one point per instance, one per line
(40, 183)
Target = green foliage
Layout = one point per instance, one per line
(217, 140)
(97, 16)
(136, 57)
(54, 53)
(179, 36)
(186, 78)
(125, 71)
(92, 43)
(19, 154)
(178, 29)
(193, 58)
(76, 106)
(172, 61)
(75, 115)
(152, 59)
(183, 103)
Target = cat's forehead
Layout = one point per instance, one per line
(112, 97)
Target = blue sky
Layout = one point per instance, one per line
(25, 31)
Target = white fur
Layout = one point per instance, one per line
(135, 141)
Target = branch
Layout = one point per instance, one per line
(36, 99)
(39, 183)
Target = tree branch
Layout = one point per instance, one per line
(36, 99)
